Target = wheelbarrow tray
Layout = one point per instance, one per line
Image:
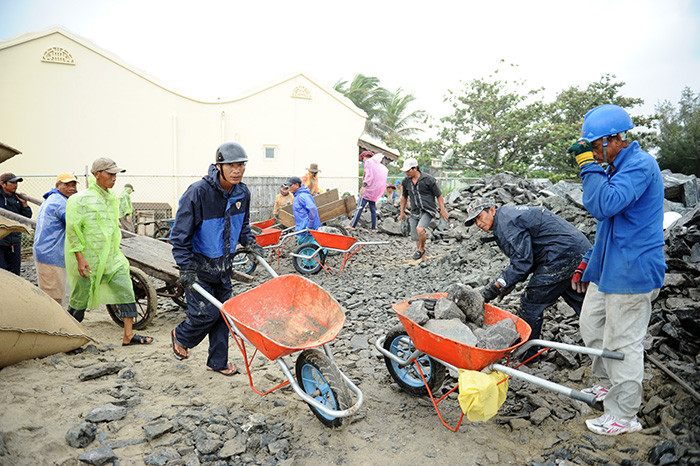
(453, 352)
(286, 314)
(333, 241)
(264, 224)
(268, 237)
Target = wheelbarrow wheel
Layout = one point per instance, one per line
(309, 266)
(408, 377)
(321, 380)
(146, 301)
(244, 262)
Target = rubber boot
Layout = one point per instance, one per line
(78, 314)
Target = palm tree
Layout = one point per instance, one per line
(393, 121)
(367, 94)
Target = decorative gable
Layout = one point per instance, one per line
(301, 92)
(58, 55)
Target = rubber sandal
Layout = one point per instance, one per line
(177, 343)
(138, 340)
(228, 372)
(418, 254)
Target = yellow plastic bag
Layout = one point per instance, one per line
(480, 395)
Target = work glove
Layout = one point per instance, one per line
(255, 248)
(490, 292)
(188, 277)
(582, 151)
(576, 283)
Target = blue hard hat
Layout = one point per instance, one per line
(605, 120)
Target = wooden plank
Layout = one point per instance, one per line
(153, 256)
(332, 210)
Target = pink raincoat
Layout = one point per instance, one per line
(375, 178)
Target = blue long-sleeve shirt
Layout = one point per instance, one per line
(305, 210)
(627, 201)
(50, 236)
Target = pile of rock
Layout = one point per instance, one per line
(460, 317)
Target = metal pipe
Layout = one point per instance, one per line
(555, 387)
(573, 348)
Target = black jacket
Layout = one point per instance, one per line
(11, 203)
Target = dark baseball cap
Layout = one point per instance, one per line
(10, 177)
(294, 180)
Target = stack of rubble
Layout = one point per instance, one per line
(675, 326)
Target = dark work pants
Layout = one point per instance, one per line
(11, 258)
(203, 318)
(372, 211)
(535, 299)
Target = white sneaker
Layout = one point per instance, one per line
(599, 391)
(610, 425)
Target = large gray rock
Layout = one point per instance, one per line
(453, 329)
(447, 309)
(81, 435)
(469, 301)
(416, 312)
(108, 412)
(98, 456)
(500, 335)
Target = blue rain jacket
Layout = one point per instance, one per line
(538, 242)
(628, 202)
(50, 236)
(305, 210)
(208, 227)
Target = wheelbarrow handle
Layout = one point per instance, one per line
(573, 348)
(206, 295)
(267, 266)
(555, 387)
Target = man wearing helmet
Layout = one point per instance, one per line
(212, 219)
(625, 268)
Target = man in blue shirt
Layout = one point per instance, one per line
(212, 219)
(50, 237)
(305, 210)
(624, 270)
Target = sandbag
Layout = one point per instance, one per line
(32, 325)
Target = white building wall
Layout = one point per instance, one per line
(63, 116)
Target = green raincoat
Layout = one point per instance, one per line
(125, 207)
(92, 228)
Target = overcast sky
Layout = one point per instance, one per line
(214, 48)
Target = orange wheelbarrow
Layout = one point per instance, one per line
(417, 358)
(272, 239)
(290, 314)
(310, 258)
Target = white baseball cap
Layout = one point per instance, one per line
(408, 164)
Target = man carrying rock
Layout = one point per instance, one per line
(537, 242)
(212, 219)
(50, 237)
(11, 245)
(97, 270)
(625, 269)
(423, 191)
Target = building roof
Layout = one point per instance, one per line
(366, 142)
(30, 36)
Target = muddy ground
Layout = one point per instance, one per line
(176, 412)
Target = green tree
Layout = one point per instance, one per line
(493, 125)
(679, 134)
(366, 93)
(563, 118)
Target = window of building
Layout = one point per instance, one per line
(270, 152)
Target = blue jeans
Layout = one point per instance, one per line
(203, 318)
(372, 211)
